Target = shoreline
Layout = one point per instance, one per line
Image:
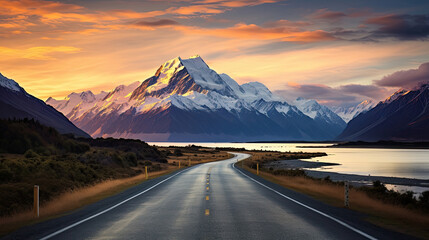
(354, 179)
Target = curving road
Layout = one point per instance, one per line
(208, 201)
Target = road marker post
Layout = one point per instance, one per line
(36, 201)
(346, 194)
(189, 164)
(145, 171)
(257, 169)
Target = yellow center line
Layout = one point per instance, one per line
(207, 212)
(208, 188)
(207, 198)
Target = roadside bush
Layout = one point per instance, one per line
(131, 159)
(30, 154)
(407, 199)
(290, 172)
(178, 152)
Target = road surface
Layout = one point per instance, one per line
(208, 201)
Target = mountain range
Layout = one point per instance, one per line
(348, 113)
(16, 103)
(187, 101)
(404, 116)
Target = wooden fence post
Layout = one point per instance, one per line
(36, 201)
(346, 194)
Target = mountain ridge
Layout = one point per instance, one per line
(188, 87)
(404, 116)
(15, 102)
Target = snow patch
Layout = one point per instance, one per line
(9, 83)
(348, 113)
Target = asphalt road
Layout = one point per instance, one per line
(208, 201)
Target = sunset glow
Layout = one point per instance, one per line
(52, 48)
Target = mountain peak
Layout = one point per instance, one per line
(87, 96)
(307, 102)
(9, 83)
(195, 62)
(396, 95)
(366, 102)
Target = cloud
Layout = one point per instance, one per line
(157, 23)
(38, 7)
(370, 91)
(325, 14)
(407, 79)
(401, 27)
(334, 96)
(36, 53)
(322, 93)
(224, 3)
(286, 23)
(253, 31)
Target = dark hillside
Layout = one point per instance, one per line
(33, 154)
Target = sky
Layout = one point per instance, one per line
(337, 52)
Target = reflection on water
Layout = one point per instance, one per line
(409, 163)
(402, 189)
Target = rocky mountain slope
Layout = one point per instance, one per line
(404, 116)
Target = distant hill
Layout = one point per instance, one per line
(404, 116)
(16, 103)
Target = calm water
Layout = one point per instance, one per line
(409, 163)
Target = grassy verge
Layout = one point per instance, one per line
(386, 215)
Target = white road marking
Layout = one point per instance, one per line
(110, 208)
(308, 207)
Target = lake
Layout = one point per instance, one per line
(408, 163)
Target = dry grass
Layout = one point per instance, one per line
(385, 215)
(197, 157)
(70, 201)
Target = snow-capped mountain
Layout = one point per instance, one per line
(348, 113)
(16, 103)
(187, 101)
(403, 116)
(321, 114)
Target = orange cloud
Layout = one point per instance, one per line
(22, 14)
(196, 9)
(36, 53)
(37, 7)
(225, 3)
(252, 31)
